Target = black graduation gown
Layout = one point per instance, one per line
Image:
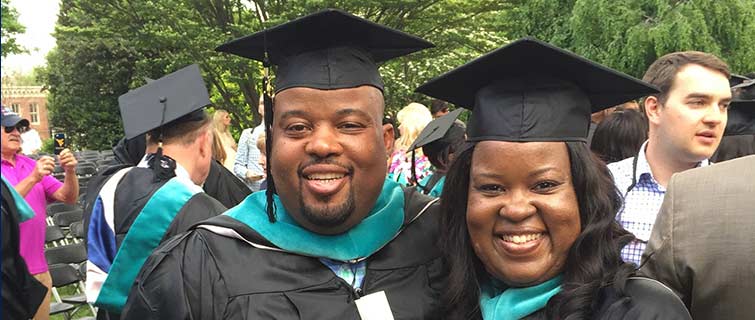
(224, 186)
(135, 190)
(221, 184)
(22, 293)
(645, 299)
(204, 275)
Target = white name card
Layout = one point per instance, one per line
(374, 306)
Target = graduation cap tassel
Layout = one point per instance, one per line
(268, 119)
(163, 167)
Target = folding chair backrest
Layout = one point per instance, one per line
(63, 274)
(86, 169)
(64, 219)
(57, 207)
(77, 229)
(53, 233)
(72, 253)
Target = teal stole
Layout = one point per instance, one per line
(437, 188)
(25, 211)
(380, 226)
(516, 303)
(142, 238)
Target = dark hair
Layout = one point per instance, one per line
(663, 71)
(593, 262)
(439, 152)
(437, 105)
(620, 135)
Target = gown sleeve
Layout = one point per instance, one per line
(180, 280)
(647, 299)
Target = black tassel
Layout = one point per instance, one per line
(268, 105)
(164, 167)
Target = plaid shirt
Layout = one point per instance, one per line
(248, 156)
(641, 203)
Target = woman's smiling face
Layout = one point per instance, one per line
(522, 212)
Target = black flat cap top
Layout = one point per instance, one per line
(530, 90)
(436, 129)
(176, 96)
(736, 79)
(741, 120)
(330, 49)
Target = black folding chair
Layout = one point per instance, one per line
(64, 219)
(77, 230)
(72, 253)
(57, 207)
(86, 170)
(54, 236)
(65, 275)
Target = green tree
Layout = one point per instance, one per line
(10, 29)
(630, 34)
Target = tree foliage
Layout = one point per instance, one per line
(10, 29)
(630, 34)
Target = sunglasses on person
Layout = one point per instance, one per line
(21, 128)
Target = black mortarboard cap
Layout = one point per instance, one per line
(741, 118)
(327, 50)
(741, 113)
(436, 129)
(176, 97)
(530, 90)
(736, 79)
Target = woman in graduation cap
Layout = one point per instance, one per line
(530, 230)
(441, 139)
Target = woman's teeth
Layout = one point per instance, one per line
(523, 238)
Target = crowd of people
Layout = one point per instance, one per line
(572, 191)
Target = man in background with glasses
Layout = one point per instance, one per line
(32, 180)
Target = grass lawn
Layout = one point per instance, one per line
(82, 312)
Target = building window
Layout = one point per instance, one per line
(34, 113)
(14, 107)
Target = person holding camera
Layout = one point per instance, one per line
(32, 180)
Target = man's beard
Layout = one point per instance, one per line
(329, 215)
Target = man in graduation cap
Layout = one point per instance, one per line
(738, 140)
(139, 207)
(331, 238)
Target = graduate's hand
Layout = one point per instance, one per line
(68, 161)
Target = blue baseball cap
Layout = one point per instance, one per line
(11, 119)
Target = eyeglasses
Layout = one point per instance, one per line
(21, 128)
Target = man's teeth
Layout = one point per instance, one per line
(325, 176)
(524, 238)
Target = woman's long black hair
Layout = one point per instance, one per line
(593, 262)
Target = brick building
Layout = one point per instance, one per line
(31, 103)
